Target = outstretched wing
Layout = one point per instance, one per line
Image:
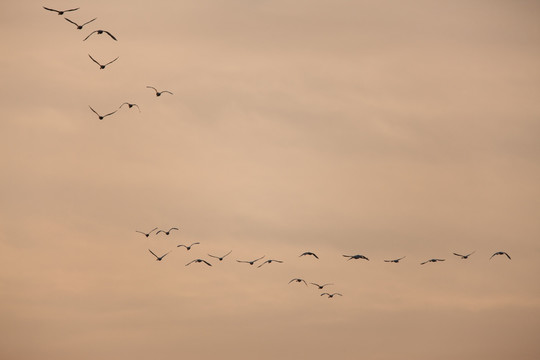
(151, 87)
(70, 10)
(458, 254)
(88, 22)
(46, 8)
(153, 253)
(263, 263)
(192, 261)
(94, 60)
(166, 91)
(89, 35)
(111, 61)
(95, 112)
(111, 35)
(110, 113)
(173, 228)
(206, 262)
(508, 256)
(195, 243)
(74, 23)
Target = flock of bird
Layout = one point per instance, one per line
(102, 65)
(306, 253)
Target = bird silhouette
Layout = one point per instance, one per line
(395, 260)
(158, 258)
(158, 93)
(102, 66)
(167, 232)
(501, 253)
(220, 258)
(431, 260)
(252, 261)
(188, 247)
(99, 32)
(101, 117)
(199, 261)
(309, 253)
(79, 27)
(464, 256)
(269, 261)
(321, 286)
(356, 257)
(142, 232)
(331, 295)
(130, 106)
(60, 12)
(298, 280)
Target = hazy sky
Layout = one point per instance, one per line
(382, 128)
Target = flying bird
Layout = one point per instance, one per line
(269, 261)
(79, 27)
(331, 295)
(158, 258)
(298, 280)
(168, 231)
(188, 247)
(220, 258)
(356, 257)
(99, 32)
(321, 286)
(250, 262)
(501, 253)
(309, 253)
(431, 260)
(158, 93)
(145, 234)
(60, 12)
(101, 117)
(130, 106)
(101, 67)
(199, 261)
(464, 256)
(395, 260)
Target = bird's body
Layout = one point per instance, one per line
(331, 295)
(395, 260)
(321, 286)
(79, 27)
(309, 253)
(464, 256)
(158, 93)
(298, 280)
(188, 247)
(158, 258)
(101, 117)
(269, 261)
(130, 106)
(220, 258)
(431, 260)
(501, 253)
(167, 232)
(99, 32)
(250, 262)
(199, 261)
(146, 234)
(60, 12)
(356, 257)
(102, 66)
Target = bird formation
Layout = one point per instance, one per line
(294, 280)
(101, 65)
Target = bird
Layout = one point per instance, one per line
(167, 232)
(252, 261)
(60, 12)
(198, 261)
(331, 295)
(356, 257)
(464, 256)
(188, 247)
(142, 232)
(158, 258)
(309, 253)
(101, 117)
(79, 27)
(99, 32)
(321, 286)
(394, 260)
(158, 93)
(269, 261)
(130, 106)
(220, 258)
(298, 280)
(431, 260)
(501, 253)
(101, 67)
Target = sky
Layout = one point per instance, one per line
(381, 128)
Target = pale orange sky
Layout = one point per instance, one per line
(383, 128)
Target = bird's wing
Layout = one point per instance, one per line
(259, 258)
(492, 256)
(124, 103)
(181, 245)
(95, 112)
(110, 113)
(337, 294)
(278, 261)
(71, 10)
(167, 91)
(154, 229)
(89, 35)
(217, 257)
(153, 253)
(192, 261)
(140, 232)
(440, 259)
(471, 253)
(94, 60)
(457, 254)
(111, 35)
(160, 231)
(315, 255)
(507, 256)
(173, 228)
(74, 23)
(195, 243)
(304, 281)
(291, 281)
(424, 262)
(165, 255)
(403, 257)
(88, 22)
(328, 284)
(140, 111)
(262, 264)
(242, 261)
(112, 61)
(227, 254)
(151, 87)
(388, 260)
(325, 294)
(46, 8)
(207, 263)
